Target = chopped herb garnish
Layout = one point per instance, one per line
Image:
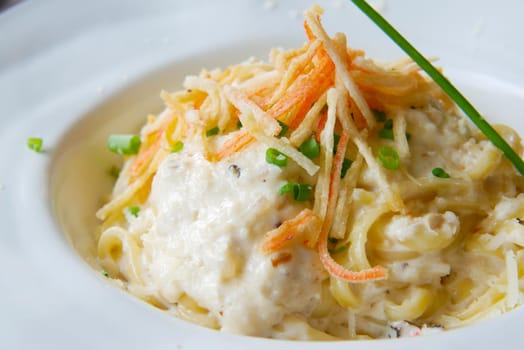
(35, 144)
(134, 210)
(275, 157)
(213, 131)
(389, 135)
(380, 116)
(124, 143)
(177, 147)
(332, 240)
(338, 249)
(114, 171)
(386, 134)
(310, 148)
(388, 157)
(439, 172)
(388, 125)
(105, 273)
(286, 188)
(444, 84)
(284, 129)
(301, 192)
(346, 163)
(239, 124)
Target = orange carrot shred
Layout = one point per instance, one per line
(306, 90)
(144, 157)
(309, 33)
(334, 268)
(321, 126)
(235, 144)
(306, 221)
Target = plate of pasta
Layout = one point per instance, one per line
(295, 182)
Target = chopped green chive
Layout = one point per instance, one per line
(212, 132)
(114, 171)
(346, 163)
(275, 157)
(134, 210)
(286, 188)
(389, 135)
(439, 172)
(239, 124)
(104, 272)
(35, 144)
(338, 249)
(284, 129)
(124, 143)
(388, 157)
(177, 147)
(444, 84)
(380, 116)
(386, 134)
(301, 192)
(310, 148)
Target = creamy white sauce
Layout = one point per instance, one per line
(206, 224)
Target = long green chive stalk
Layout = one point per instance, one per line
(444, 83)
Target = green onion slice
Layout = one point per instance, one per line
(386, 134)
(177, 147)
(275, 157)
(444, 83)
(301, 192)
(124, 143)
(439, 172)
(284, 129)
(114, 172)
(134, 210)
(286, 188)
(338, 249)
(35, 144)
(388, 157)
(310, 148)
(346, 163)
(213, 131)
(380, 116)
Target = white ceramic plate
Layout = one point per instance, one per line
(74, 71)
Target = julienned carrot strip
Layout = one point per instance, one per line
(144, 158)
(306, 221)
(309, 33)
(334, 268)
(319, 84)
(321, 126)
(307, 89)
(235, 144)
